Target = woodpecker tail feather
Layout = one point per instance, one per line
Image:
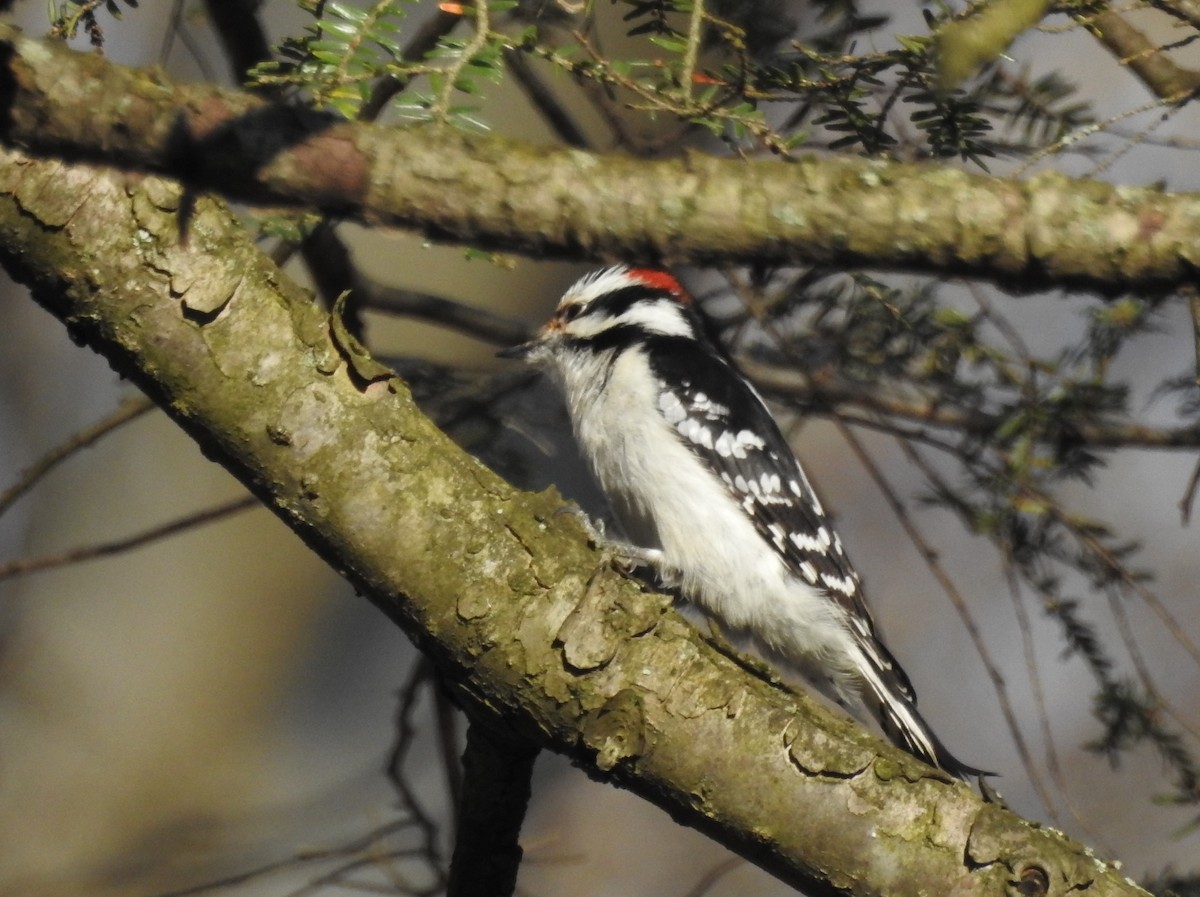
(890, 697)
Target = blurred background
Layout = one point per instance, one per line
(214, 702)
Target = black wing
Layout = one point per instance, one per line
(724, 421)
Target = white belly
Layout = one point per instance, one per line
(666, 500)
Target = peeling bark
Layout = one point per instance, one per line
(491, 583)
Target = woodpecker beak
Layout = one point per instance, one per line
(536, 350)
(520, 352)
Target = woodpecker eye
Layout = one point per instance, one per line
(570, 312)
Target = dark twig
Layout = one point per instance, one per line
(476, 322)
(1189, 495)
(126, 411)
(420, 676)
(366, 842)
(1106, 558)
(1155, 68)
(544, 101)
(241, 34)
(1053, 766)
(24, 567)
(425, 39)
(447, 731)
(789, 382)
(713, 875)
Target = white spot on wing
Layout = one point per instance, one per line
(805, 542)
(843, 584)
(701, 404)
(736, 444)
(671, 408)
(692, 429)
(777, 534)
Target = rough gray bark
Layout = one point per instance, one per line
(498, 589)
(1048, 231)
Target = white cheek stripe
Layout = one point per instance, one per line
(663, 317)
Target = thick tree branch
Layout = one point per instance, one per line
(1048, 231)
(497, 782)
(493, 584)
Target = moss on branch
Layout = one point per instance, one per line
(490, 582)
(1049, 231)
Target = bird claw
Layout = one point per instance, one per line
(595, 529)
(622, 555)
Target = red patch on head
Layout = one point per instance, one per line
(661, 280)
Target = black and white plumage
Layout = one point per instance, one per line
(711, 495)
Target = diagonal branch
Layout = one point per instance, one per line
(476, 573)
(1049, 231)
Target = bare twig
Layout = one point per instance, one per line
(790, 382)
(1193, 295)
(930, 556)
(1189, 495)
(1025, 625)
(1128, 581)
(713, 875)
(1156, 69)
(420, 676)
(448, 747)
(127, 411)
(477, 42)
(477, 322)
(544, 100)
(695, 33)
(306, 856)
(423, 40)
(24, 567)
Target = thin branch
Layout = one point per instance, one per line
(796, 384)
(477, 42)
(420, 676)
(447, 717)
(930, 556)
(1129, 640)
(1193, 297)
(694, 34)
(424, 39)
(1128, 581)
(714, 875)
(300, 858)
(477, 322)
(1189, 495)
(1156, 69)
(24, 567)
(1025, 625)
(129, 409)
(544, 100)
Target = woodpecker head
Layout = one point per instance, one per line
(610, 309)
